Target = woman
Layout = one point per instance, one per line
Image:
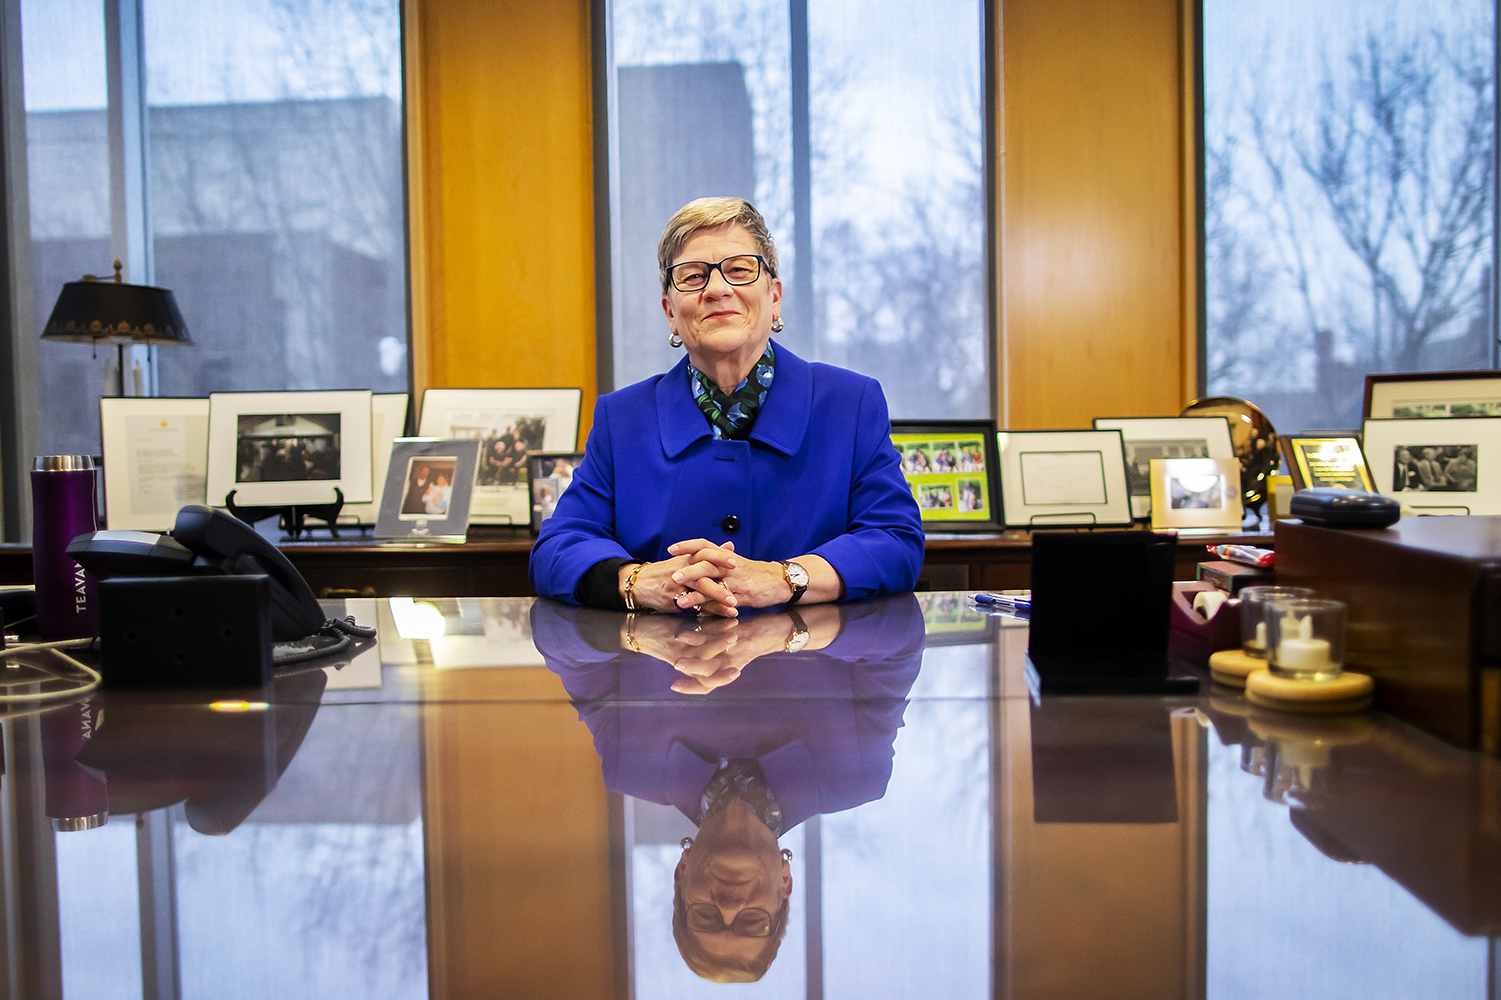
(743, 478)
(435, 500)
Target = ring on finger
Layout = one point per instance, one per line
(679, 599)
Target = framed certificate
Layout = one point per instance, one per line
(1063, 478)
(1326, 461)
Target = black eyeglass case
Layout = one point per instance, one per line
(1332, 507)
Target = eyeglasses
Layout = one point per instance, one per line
(742, 269)
(750, 922)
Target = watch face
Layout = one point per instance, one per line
(797, 575)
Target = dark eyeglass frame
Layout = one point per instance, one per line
(697, 916)
(762, 264)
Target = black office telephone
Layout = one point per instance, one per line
(206, 542)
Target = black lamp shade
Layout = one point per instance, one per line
(108, 312)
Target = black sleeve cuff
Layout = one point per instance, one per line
(599, 587)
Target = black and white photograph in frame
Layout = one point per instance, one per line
(1063, 478)
(508, 423)
(1147, 438)
(1450, 466)
(1432, 395)
(428, 490)
(388, 419)
(1196, 493)
(275, 448)
(549, 474)
(287, 447)
(155, 459)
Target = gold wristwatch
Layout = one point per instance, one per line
(800, 635)
(797, 579)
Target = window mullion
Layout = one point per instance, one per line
(129, 156)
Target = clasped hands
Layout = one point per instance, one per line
(709, 653)
(712, 652)
(710, 579)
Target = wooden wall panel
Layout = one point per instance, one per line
(1094, 203)
(502, 194)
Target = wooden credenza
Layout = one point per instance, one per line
(492, 563)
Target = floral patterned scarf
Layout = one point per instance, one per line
(732, 415)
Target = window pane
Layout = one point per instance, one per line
(1348, 212)
(704, 105)
(67, 154)
(276, 192)
(274, 136)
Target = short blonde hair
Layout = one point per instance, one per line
(710, 213)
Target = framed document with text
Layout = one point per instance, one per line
(155, 459)
(1052, 479)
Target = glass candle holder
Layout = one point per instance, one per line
(1253, 601)
(1305, 638)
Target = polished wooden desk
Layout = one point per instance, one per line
(480, 815)
(492, 563)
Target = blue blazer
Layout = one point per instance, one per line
(818, 475)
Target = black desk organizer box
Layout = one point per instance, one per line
(1099, 618)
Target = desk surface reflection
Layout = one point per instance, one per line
(495, 798)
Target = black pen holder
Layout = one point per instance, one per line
(1100, 612)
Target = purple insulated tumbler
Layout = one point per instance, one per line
(62, 508)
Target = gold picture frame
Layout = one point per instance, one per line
(1196, 493)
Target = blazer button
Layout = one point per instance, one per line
(730, 524)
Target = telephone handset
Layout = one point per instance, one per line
(209, 542)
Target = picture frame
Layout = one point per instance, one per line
(155, 451)
(282, 448)
(428, 490)
(1326, 461)
(1072, 478)
(548, 474)
(388, 419)
(950, 466)
(1429, 395)
(509, 423)
(1196, 494)
(1147, 438)
(1471, 487)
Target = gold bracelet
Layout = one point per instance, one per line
(630, 632)
(630, 584)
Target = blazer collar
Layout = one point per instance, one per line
(781, 424)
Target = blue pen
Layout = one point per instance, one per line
(1005, 601)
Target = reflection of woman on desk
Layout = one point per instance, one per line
(747, 747)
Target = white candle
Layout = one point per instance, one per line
(1298, 651)
(1303, 655)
